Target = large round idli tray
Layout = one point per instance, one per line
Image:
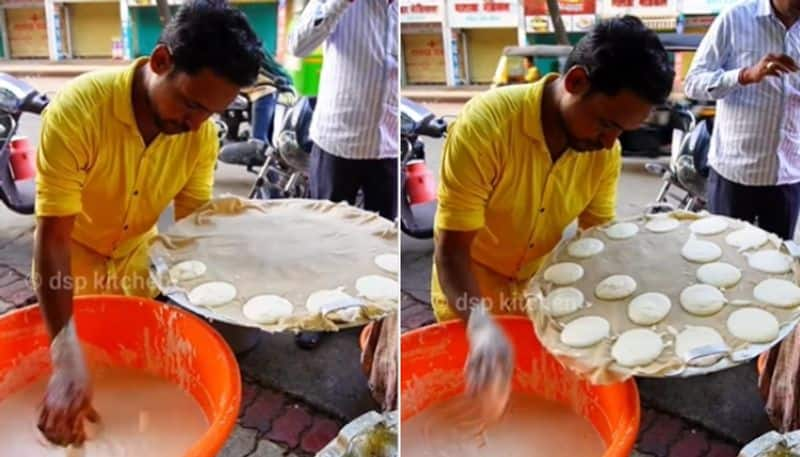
(655, 262)
(289, 248)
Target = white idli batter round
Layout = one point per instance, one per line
(709, 225)
(388, 262)
(187, 270)
(649, 308)
(213, 294)
(322, 298)
(622, 231)
(777, 292)
(702, 300)
(692, 338)
(267, 309)
(563, 301)
(585, 248)
(770, 261)
(585, 331)
(662, 224)
(374, 287)
(637, 347)
(753, 325)
(747, 238)
(563, 274)
(700, 251)
(719, 274)
(615, 287)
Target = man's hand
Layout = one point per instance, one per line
(379, 361)
(490, 365)
(67, 402)
(769, 65)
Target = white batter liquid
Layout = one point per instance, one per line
(140, 415)
(531, 427)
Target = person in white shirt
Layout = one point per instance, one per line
(746, 62)
(355, 126)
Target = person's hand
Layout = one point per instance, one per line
(769, 65)
(67, 402)
(490, 365)
(379, 361)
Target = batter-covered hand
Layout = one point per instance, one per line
(67, 402)
(490, 365)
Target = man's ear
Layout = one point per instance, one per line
(161, 60)
(576, 81)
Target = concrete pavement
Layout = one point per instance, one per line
(441, 94)
(64, 68)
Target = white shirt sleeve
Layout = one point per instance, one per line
(710, 76)
(316, 23)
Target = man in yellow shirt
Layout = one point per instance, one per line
(520, 164)
(116, 148)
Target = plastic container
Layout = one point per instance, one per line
(420, 183)
(433, 359)
(145, 335)
(23, 158)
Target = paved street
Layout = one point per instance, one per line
(293, 403)
(703, 416)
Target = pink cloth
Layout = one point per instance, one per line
(779, 384)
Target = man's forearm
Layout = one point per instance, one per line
(458, 282)
(708, 85)
(315, 24)
(187, 206)
(54, 282)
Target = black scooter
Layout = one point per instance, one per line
(418, 187)
(688, 169)
(274, 145)
(17, 157)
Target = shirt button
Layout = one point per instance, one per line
(125, 227)
(135, 193)
(530, 245)
(541, 210)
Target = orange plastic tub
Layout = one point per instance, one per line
(432, 364)
(143, 335)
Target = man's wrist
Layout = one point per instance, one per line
(65, 350)
(744, 77)
(478, 313)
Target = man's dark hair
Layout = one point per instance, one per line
(212, 34)
(622, 53)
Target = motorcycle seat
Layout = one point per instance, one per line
(418, 219)
(20, 196)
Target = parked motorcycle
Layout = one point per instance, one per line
(277, 147)
(688, 169)
(244, 117)
(17, 154)
(417, 184)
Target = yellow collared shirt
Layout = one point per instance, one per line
(92, 162)
(498, 177)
